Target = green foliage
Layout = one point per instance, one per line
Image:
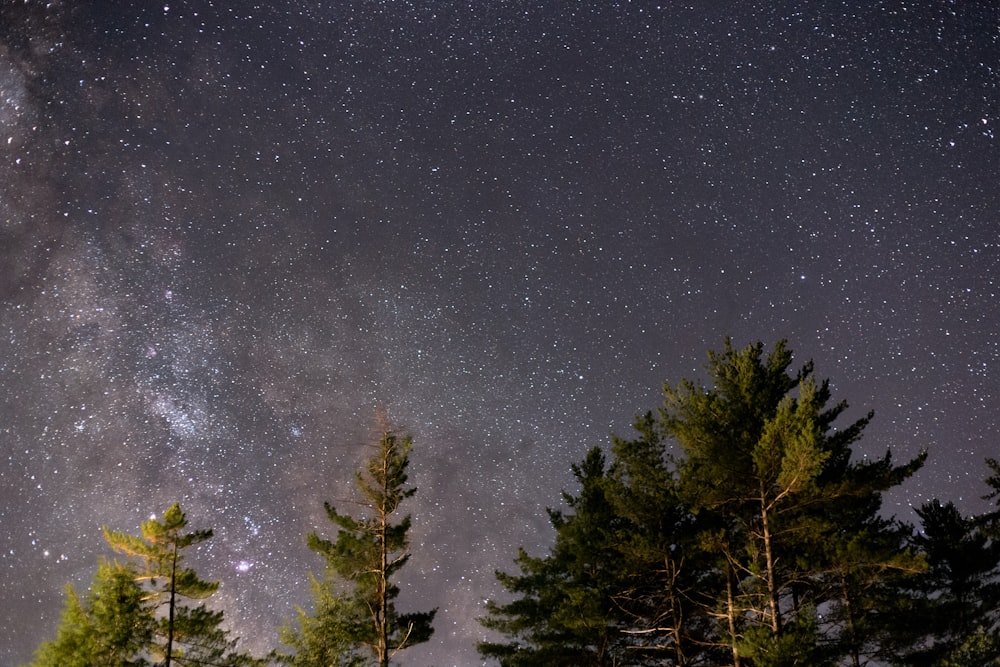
(134, 615)
(72, 646)
(182, 634)
(797, 644)
(564, 612)
(715, 535)
(771, 477)
(110, 626)
(355, 618)
(662, 570)
(159, 551)
(736, 527)
(869, 572)
(959, 594)
(982, 648)
(328, 637)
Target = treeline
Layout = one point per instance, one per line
(736, 527)
(148, 609)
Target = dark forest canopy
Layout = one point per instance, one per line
(735, 527)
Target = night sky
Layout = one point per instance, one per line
(232, 234)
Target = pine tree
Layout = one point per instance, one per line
(74, 642)
(752, 452)
(766, 470)
(861, 562)
(960, 593)
(355, 618)
(564, 612)
(719, 535)
(618, 587)
(993, 481)
(183, 634)
(331, 635)
(110, 626)
(664, 571)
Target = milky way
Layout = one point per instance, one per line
(232, 234)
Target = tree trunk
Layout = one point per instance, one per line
(731, 613)
(852, 635)
(383, 629)
(676, 612)
(170, 613)
(772, 584)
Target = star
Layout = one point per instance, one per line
(231, 236)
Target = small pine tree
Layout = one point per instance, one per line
(109, 626)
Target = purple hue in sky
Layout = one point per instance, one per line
(231, 233)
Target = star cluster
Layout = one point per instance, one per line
(233, 232)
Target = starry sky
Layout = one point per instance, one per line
(234, 233)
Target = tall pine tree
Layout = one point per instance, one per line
(719, 535)
(354, 620)
(764, 464)
(752, 452)
(564, 612)
(184, 634)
